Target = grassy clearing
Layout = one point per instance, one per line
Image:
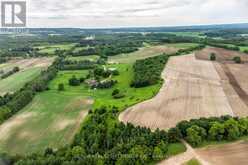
(176, 148)
(17, 80)
(192, 162)
(149, 51)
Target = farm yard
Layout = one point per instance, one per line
(149, 51)
(192, 89)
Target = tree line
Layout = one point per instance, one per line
(148, 71)
(76, 65)
(204, 130)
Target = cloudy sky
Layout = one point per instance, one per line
(123, 13)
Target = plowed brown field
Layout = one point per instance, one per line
(228, 154)
(192, 89)
(221, 54)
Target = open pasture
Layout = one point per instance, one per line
(50, 120)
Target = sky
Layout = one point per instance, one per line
(134, 13)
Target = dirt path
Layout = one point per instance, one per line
(184, 157)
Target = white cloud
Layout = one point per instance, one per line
(109, 13)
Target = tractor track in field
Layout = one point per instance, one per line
(232, 80)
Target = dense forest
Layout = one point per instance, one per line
(148, 71)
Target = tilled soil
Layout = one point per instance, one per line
(192, 89)
(228, 154)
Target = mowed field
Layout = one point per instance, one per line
(192, 89)
(226, 154)
(50, 120)
(29, 69)
(149, 51)
(50, 49)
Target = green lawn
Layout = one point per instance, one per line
(103, 97)
(176, 148)
(17, 80)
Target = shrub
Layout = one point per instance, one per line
(82, 79)
(61, 87)
(115, 92)
(237, 59)
(74, 81)
(212, 57)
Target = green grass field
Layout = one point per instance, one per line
(243, 48)
(149, 51)
(188, 34)
(81, 58)
(50, 120)
(103, 97)
(17, 80)
(50, 49)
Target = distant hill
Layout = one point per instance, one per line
(135, 29)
